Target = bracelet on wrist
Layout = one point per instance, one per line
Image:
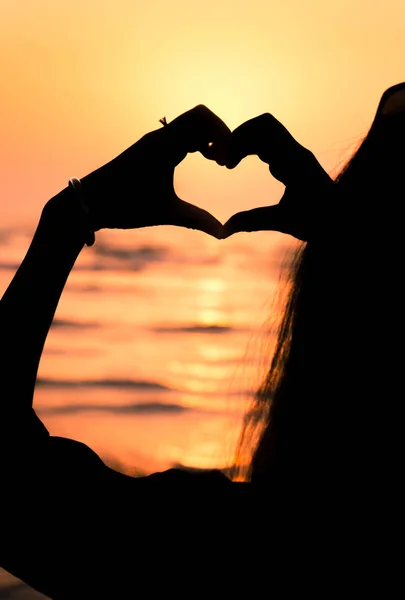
(76, 186)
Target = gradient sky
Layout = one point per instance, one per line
(80, 80)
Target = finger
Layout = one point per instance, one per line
(265, 218)
(245, 140)
(190, 216)
(200, 130)
(266, 137)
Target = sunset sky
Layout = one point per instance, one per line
(152, 356)
(81, 80)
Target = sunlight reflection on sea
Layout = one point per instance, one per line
(155, 347)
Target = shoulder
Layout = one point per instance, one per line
(189, 477)
(208, 492)
(180, 480)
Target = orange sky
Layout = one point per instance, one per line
(82, 79)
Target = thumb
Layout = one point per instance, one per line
(265, 218)
(188, 215)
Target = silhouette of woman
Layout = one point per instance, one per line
(319, 393)
(74, 528)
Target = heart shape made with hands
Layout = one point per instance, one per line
(288, 161)
(140, 180)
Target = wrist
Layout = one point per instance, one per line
(63, 220)
(76, 186)
(96, 189)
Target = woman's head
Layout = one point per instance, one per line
(378, 164)
(318, 409)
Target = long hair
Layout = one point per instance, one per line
(317, 410)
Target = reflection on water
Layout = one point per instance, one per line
(146, 360)
(154, 351)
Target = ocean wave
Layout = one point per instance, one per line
(195, 329)
(128, 384)
(9, 266)
(135, 259)
(65, 323)
(122, 409)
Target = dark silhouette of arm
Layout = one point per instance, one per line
(30, 301)
(133, 190)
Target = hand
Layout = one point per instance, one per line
(136, 188)
(308, 186)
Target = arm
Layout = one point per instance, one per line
(133, 190)
(29, 304)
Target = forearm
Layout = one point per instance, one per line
(30, 301)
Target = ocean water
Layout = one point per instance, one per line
(159, 341)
